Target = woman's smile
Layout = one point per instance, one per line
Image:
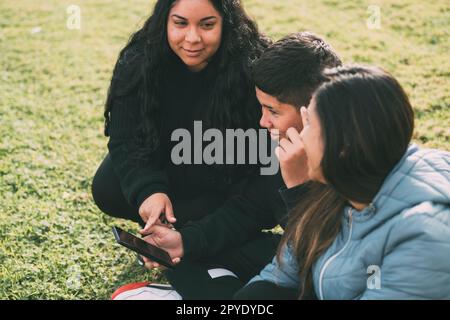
(193, 53)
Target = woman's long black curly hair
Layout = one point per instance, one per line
(241, 44)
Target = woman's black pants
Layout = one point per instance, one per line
(192, 279)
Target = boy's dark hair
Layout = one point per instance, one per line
(291, 68)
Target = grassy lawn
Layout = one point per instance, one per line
(54, 242)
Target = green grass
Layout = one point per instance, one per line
(54, 242)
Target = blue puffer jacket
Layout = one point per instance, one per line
(396, 248)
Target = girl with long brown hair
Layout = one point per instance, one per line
(376, 224)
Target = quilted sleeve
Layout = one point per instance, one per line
(417, 257)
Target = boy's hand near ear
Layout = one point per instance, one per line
(293, 160)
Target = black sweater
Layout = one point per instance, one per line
(184, 97)
(264, 204)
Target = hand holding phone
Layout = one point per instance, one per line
(142, 247)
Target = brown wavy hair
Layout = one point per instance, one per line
(367, 124)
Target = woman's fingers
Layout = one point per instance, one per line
(154, 216)
(169, 213)
(148, 228)
(176, 260)
(149, 264)
(164, 223)
(154, 265)
(152, 208)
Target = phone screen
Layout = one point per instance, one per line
(144, 248)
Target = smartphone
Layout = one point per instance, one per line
(144, 248)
